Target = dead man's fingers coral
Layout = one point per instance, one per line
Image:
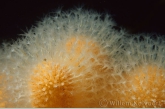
(77, 59)
(62, 62)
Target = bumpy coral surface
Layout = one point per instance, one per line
(77, 59)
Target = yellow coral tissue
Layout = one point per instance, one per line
(77, 59)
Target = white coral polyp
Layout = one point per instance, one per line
(76, 59)
(45, 41)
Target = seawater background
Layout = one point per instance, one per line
(136, 16)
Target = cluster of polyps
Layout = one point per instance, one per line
(76, 59)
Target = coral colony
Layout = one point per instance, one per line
(77, 59)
